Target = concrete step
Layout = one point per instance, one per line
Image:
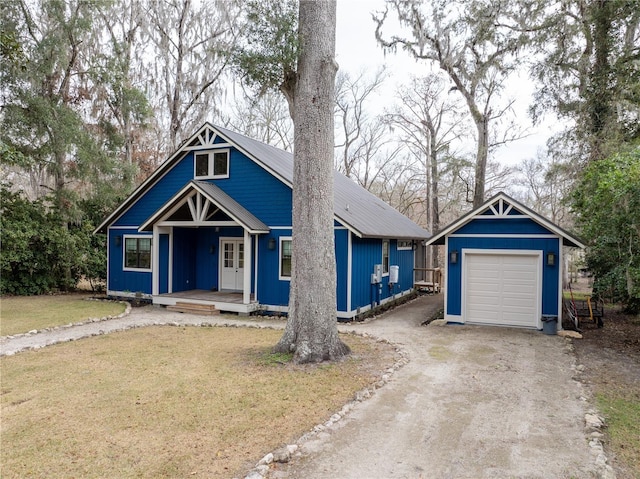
(194, 308)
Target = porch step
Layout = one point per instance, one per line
(194, 308)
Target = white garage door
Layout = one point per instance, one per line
(502, 289)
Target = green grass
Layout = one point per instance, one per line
(19, 314)
(622, 413)
(167, 402)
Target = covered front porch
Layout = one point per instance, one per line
(221, 300)
(205, 250)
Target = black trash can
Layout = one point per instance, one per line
(549, 324)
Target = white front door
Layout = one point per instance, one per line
(232, 265)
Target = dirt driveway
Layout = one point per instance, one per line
(474, 402)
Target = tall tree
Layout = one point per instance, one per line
(264, 117)
(191, 41)
(302, 66)
(429, 121)
(46, 99)
(352, 96)
(608, 205)
(311, 330)
(476, 43)
(588, 73)
(119, 102)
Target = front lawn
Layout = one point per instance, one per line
(167, 401)
(20, 314)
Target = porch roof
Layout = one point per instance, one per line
(216, 196)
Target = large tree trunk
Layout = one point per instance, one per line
(311, 331)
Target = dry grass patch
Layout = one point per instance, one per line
(20, 314)
(167, 402)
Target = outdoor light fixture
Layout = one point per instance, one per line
(118, 241)
(551, 258)
(272, 244)
(453, 257)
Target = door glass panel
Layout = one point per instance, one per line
(240, 255)
(228, 255)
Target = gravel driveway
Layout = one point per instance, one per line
(473, 402)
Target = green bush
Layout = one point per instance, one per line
(40, 252)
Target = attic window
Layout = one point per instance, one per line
(211, 164)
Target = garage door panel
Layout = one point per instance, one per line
(502, 289)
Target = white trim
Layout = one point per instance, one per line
(501, 252)
(454, 318)
(255, 269)
(124, 253)
(207, 147)
(188, 224)
(349, 268)
(476, 213)
(502, 217)
(525, 236)
(560, 266)
(280, 240)
(133, 227)
(160, 218)
(170, 269)
(211, 164)
(445, 286)
(155, 262)
(388, 241)
(281, 227)
(108, 257)
(246, 269)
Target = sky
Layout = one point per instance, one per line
(357, 50)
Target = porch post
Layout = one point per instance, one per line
(155, 255)
(246, 287)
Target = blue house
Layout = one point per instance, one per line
(503, 265)
(212, 226)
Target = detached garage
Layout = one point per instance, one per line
(504, 265)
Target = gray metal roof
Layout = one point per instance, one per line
(358, 209)
(362, 212)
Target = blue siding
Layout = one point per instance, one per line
(206, 260)
(249, 184)
(498, 226)
(118, 280)
(366, 253)
(550, 274)
(184, 261)
(271, 290)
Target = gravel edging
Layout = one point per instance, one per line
(127, 311)
(284, 454)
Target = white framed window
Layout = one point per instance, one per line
(211, 164)
(404, 245)
(286, 253)
(137, 253)
(385, 257)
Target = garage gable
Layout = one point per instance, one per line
(503, 265)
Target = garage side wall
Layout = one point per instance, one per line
(550, 274)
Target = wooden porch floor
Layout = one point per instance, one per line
(223, 300)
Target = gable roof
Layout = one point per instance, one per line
(216, 196)
(504, 206)
(366, 215)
